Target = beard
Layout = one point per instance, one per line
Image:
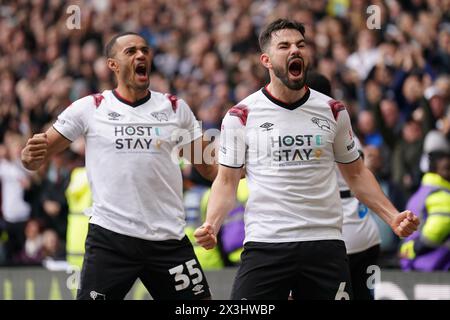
(140, 86)
(128, 77)
(282, 73)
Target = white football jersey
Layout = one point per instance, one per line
(359, 230)
(289, 151)
(14, 207)
(136, 183)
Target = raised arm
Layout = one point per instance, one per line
(231, 160)
(40, 147)
(362, 182)
(366, 188)
(221, 201)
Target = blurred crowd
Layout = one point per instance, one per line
(394, 80)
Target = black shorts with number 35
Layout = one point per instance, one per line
(112, 263)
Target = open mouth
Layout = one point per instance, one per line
(295, 67)
(141, 70)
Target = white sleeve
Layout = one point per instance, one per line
(345, 148)
(72, 122)
(232, 142)
(189, 125)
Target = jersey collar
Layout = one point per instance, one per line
(134, 104)
(290, 106)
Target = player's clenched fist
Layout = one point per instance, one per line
(405, 223)
(33, 155)
(205, 237)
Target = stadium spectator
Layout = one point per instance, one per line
(427, 249)
(32, 250)
(367, 129)
(15, 182)
(406, 156)
(52, 247)
(54, 209)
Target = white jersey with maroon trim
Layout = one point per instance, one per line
(136, 186)
(289, 152)
(359, 230)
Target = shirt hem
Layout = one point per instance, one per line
(134, 235)
(361, 249)
(301, 239)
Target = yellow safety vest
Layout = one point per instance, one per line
(79, 198)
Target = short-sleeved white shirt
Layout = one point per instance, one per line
(136, 185)
(289, 152)
(14, 207)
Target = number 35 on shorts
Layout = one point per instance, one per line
(182, 279)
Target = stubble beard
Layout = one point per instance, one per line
(130, 82)
(283, 75)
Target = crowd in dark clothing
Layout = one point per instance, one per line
(394, 80)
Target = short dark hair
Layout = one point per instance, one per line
(109, 52)
(266, 34)
(318, 82)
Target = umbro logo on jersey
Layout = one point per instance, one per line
(267, 126)
(160, 116)
(321, 123)
(198, 289)
(114, 115)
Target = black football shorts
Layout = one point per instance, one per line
(359, 264)
(309, 270)
(112, 263)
